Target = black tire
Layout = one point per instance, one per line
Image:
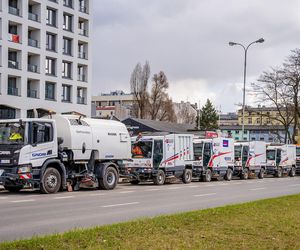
(279, 172)
(208, 176)
(160, 178)
(228, 175)
(187, 176)
(292, 172)
(135, 182)
(13, 189)
(245, 174)
(51, 181)
(261, 173)
(110, 179)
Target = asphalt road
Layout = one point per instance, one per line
(29, 213)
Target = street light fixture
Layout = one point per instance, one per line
(261, 40)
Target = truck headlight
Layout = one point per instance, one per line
(24, 169)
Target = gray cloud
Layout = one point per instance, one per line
(188, 39)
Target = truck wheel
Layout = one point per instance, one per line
(228, 175)
(110, 179)
(13, 189)
(261, 173)
(160, 178)
(245, 174)
(51, 181)
(208, 175)
(279, 173)
(293, 172)
(135, 182)
(187, 176)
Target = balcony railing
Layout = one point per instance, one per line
(80, 100)
(31, 93)
(82, 77)
(13, 10)
(33, 17)
(13, 64)
(33, 42)
(32, 68)
(12, 91)
(83, 32)
(82, 55)
(83, 9)
(68, 4)
(14, 38)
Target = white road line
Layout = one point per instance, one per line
(192, 186)
(3, 198)
(63, 197)
(236, 183)
(20, 201)
(210, 185)
(256, 189)
(203, 195)
(121, 204)
(173, 188)
(96, 194)
(126, 192)
(152, 189)
(294, 185)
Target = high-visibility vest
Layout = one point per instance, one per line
(15, 136)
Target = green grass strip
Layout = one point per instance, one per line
(264, 224)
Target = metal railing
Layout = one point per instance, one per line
(82, 77)
(83, 9)
(82, 54)
(13, 64)
(80, 100)
(12, 91)
(83, 32)
(31, 93)
(13, 10)
(33, 17)
(33, 42)
(32, 68)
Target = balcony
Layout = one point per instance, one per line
(82, 55)
(14, 38)
(82, 77)
(12, 91)
(83, 9)
(33, 17)
(13, 10)
(80, 100)
(13, 64)
(31, 93)
(83, 32)
(32, 68)
(33, 42)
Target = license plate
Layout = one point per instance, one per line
(5, 161)
(1, 171)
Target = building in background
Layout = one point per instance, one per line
(45, 57)
(229, 119)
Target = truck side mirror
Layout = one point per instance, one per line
(60, 140)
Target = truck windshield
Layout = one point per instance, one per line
(12, 133)
(237, 152)
(142, 149)
(298, 151)
(271, 154)
(198, 150)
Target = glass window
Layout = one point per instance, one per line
(198, 148)
(66, 69)
(66, 93)
(51, 41)
(50, 90)
(41, 132)
(12, 133)
(50, 66)
(68, 22)
(67, 46)
(142, 149)
(51, 17)
(68, 3)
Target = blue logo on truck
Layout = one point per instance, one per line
(225, 143)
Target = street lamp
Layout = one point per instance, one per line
(261, 40)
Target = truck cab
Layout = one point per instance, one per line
(158, 158)
(281, 159)
(298, 159)
(213, 158)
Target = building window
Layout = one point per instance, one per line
(13, 60)
(12, 86)
(258, 121)
(51, 17)
(66, 93)
(68, 3)
(50, 91)
(67, 46)
(66, 69)
(250, 120)
(7, 112)
(50, 66)
(83, 6)
(237, 131)
(83, 27)
(82, 73)
(50, 42)
(13, 7)
(68, 22)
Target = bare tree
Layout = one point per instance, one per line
(185, 115)
(139, 88)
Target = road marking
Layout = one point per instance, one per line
(294, 185)
(152, 189)
(2, 198)
(20, 201)
(203, 195)
(96, 194)
(236, 183)
(210, 185)
(63, 197)
(121, 204)
(173, 188)
(192, 186)
(256, 189)
(126, 192)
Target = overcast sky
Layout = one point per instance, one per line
(188, 40)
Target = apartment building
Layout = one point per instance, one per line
(45, 57)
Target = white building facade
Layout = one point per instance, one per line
(45, 57)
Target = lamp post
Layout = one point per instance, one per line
(261, 40)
